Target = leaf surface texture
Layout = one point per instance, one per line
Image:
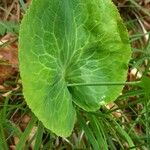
(71, 41)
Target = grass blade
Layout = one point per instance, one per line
(39, 135)
(89, 133)
(25, 134)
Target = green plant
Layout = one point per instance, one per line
(67, 43)
(10, 27)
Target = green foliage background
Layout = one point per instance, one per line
(123, 124)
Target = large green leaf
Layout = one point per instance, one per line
(71, 41)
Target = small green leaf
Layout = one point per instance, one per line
(145, 84)
(71, 41)
(8, 26)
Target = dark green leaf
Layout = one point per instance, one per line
(145, 84)
(8, 26)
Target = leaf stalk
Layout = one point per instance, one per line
(104, 84)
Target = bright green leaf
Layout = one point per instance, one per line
(71, 41)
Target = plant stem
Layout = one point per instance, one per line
(104, 84)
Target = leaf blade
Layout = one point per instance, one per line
(70, 42)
